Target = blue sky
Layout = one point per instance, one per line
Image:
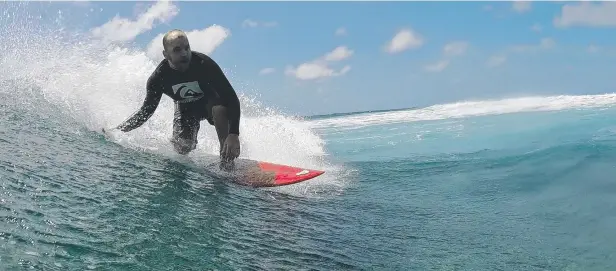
(446, 51)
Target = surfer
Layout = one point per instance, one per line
(200, 91)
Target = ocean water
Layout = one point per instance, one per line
(514, 184)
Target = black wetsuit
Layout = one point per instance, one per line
(194, 92)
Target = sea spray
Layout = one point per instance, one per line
(98, 85)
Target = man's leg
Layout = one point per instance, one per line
(185, 132)
(221, 123)
(216, 115)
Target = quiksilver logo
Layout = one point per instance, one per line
(188, 90)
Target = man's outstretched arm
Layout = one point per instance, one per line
(152, 99)
(222, 85)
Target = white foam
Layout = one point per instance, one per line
(468, 109)
(101, 85)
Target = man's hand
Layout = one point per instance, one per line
(107, 131)
(231, 148)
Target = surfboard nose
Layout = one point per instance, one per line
(264, 174)
(285, 175)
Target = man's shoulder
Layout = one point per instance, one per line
(200, 55)
(158, 73)
(160, 69)
(203, 58)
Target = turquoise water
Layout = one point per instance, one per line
(514, 184)
(515, 191)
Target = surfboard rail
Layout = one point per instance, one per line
(266, 174)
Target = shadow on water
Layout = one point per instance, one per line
(177, 220)
(180, 186)
(193, 221)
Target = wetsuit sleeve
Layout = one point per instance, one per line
(221, 84)
(152, 99)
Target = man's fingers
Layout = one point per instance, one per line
(236, 152)
(229, 151)
(224, 151)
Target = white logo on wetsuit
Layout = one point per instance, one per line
(189, 91)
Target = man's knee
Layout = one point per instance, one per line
(183, 146)
(184, 138)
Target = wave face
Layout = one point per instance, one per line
(521, 183)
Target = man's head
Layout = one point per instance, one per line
(176, 49)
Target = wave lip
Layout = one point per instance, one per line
(468, 109)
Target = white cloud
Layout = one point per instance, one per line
(267, 71)
(593, 49)
(450, 50)
(320, 67)
(339, 53)
(122, 29)
(536, 28)
(521, 6)
(455, 48)
(315, 70)
(438, 66)
(252, 23)
(341, 31)
(405, 39)
(496, 60)
(544, 44)
(205, 41)
(547, 43)
(587, 14)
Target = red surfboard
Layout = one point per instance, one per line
(265, 174)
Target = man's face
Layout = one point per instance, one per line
(178, 52)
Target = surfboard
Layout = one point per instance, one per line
(260, 173)
(265, 174)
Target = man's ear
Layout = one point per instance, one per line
(165, 54)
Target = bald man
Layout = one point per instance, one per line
(200, 91)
